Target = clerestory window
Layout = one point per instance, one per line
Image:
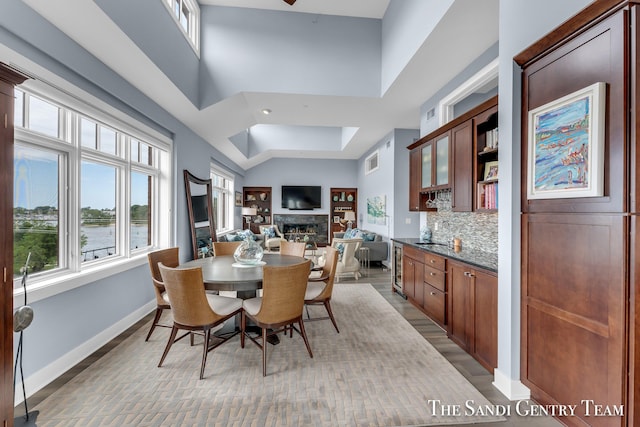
(186, 14)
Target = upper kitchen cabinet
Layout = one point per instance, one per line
(462, 156)
(435, 163)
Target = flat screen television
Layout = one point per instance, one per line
(303, 197)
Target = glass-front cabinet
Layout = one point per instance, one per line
(427, 166)
(435, 163)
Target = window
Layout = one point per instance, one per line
(87, 189)
(187, 16)
(223, 199)
(371, 163)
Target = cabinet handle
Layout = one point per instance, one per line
(432, 273)
(432, 261)
(432, 293)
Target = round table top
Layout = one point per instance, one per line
(219, 273)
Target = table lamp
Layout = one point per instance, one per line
(247, 213)
(349, 216)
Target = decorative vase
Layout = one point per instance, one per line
(425, 234)
(349, 198)
(249, 252)
(335, 198)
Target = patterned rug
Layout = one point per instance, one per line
(378, 371)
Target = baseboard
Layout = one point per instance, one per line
(512, 389)
(49, 373)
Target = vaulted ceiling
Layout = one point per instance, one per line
(352, 124)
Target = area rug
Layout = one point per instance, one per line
(378, 371)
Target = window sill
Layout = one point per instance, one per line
(38, 290)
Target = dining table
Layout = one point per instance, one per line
(223, 273)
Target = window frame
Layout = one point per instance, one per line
(192, 34)
(230, 193)
(72, 272)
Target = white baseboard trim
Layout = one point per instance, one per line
(512, 389)
(49, 373)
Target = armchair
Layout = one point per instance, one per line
(347, 262)
(272, 236)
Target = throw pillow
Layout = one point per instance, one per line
(232, 237)
(246, 235)
(369, 237)
(340, 249)
(269, 233)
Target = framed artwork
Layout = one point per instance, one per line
(376, 210)
(238, 198)
(336, 218)
(566, 146)
(491, 171)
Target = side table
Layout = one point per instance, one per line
(363, 256)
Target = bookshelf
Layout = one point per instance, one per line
(486, 161)
(342, 200)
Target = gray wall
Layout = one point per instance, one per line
(163, 42)
(269, 51)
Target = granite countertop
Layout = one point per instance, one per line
(476, 258)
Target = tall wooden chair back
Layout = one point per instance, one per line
(281, 305)
(319, 291)
(292, 248)
(195, 310)
(169, 257)
(225, 248)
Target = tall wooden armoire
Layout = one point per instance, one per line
(580, 268)
(8, 79)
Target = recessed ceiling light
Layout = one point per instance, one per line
(266, 111)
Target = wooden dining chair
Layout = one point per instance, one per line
(195, 310)
(170, 258)
(281, 304)
(319, 290)
(292, 248)
(224, 248)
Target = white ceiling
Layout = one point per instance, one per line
(357, 8)
(397, 108)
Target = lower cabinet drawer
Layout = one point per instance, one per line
(434, 278)
(435, 303)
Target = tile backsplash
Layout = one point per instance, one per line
(478, 231)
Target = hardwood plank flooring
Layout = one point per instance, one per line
(380, 278)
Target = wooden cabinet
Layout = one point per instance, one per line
(457, 156)
(258, 198)
(462, 166)
(412, 274)
(434, 172)
(8, 79)
(343, 200)
(424, 284)
(472, 315)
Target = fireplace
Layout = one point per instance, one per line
(296, 227)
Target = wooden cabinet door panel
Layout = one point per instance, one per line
(485, 313)
(408, 276)
(458, 315)
(462, 166)
(574, 306)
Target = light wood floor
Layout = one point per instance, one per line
(380, 278)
